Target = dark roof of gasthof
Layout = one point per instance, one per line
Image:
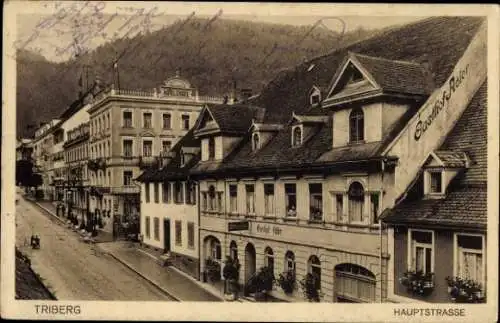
(465, 203)
(173, 169)
(235, 118)
(451, 158)
(437, 43)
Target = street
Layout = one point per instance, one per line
(72, 269)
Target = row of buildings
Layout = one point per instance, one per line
(366, 167)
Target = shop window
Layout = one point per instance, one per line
(356, 125)
(178, 193)
(470, 263)
(147, 116)
(314, 268)
(269, 199)
(233, 198)
(166, 192)
(167, 121)
(178, 233)
(316, 202)
(157, 228)
(148, 227)
(421, 251)
(290, 262)
(296, 136)
(354, 284)
(269, 258)
(291, 200)
(250, 198)
(356, 202)
(156, 192)
(190, 229)
(233, 250)
(146, 191)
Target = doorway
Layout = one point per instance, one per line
(250, 262)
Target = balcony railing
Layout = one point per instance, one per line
(126, 189)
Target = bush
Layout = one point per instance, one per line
(309, 286)
(287, 281)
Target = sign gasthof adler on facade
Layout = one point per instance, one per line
(238, 226)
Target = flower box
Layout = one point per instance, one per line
(417, 282)
(465, 290)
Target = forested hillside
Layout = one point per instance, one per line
(210, 54)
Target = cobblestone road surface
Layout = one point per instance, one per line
(72, 269)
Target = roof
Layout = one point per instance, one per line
(436, 43)
(451, 158)
(234, 118)
(172, 170)
(465, 202)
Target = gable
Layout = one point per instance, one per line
(352, 79)
(206, 122)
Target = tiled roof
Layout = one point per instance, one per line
(173, 170)
(465, 201)
(235, 118)
(398, 76)
(437, 43)
(451, 158)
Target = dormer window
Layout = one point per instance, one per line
(356, 125)
(314, 96)
(355, 75)
(183, 159)
(255, 141)
(436, 182)
(296, 136)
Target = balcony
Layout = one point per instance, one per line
(126, 189)
(147, 162)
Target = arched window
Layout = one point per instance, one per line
(233, 250)
(314, 268)
(356, 125)
(255, 141)
(297, 136)
(356, 202)
(290, 262)
(211, 148)
(269, 258)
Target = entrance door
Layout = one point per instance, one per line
(166, 235)
(250, 263)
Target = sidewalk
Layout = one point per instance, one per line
(166, 278)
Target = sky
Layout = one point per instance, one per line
(50, 27)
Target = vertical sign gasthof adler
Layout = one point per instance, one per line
(427, 130)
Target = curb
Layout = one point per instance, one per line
(169, 294)
(198, 283)
(46, 211)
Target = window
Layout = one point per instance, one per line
(190, 193)
(204, 204)
(178, 193)
(269, 258)
(250, 198)
(211, 198)
(148, 227)
(146, 191)
(356, 202)
(339, 204)
(315, 270)
(316, 202)
(255, 141)
(233, 198)
(147, 120)
(167, 121)
(215, 250)
(354, 75)
(315, 98)
(436, 181)
(233, 250)
(290, 262)
(211, 148)
(469, 260)
(127, 148)
(156, 222)
(166, 192)
(190, 229)
(354, 283)
(183, 159)
(147, 148)
(296, 136)
(166, 145)
(185, 122)
(219, 201)
(127, 178)
(178, 233)
(374, 200)
(356, 125)
(269, 199)
(291, 200)
(157, 192)
(421, 253)
(127, 119)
